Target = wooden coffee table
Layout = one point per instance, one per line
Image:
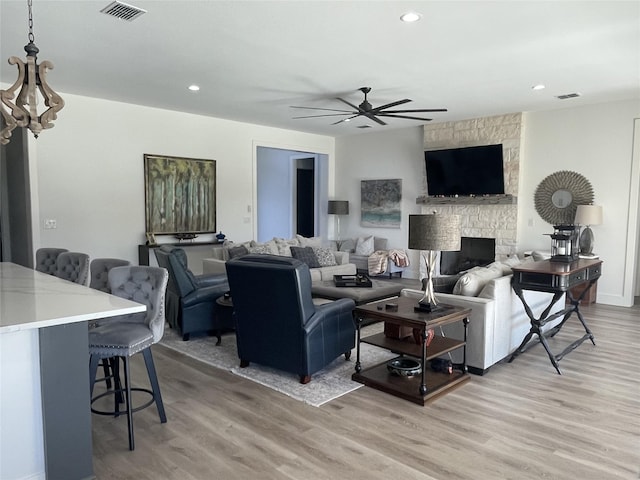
(428, 384)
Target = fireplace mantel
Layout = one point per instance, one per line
(463, 200)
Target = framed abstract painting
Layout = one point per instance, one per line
(180, 195)
(380, 203)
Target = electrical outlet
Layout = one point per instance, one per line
(50, 224)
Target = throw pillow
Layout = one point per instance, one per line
(261, 249)
(306, 255)
(471, 283)
(237, 251)
(284, 246)
(309, 241)
(270, 245)
(364, 246)
(325, 257)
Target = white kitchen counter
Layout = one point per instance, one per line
(45, 417)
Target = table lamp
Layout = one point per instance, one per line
(588, 215)
(338, 207)
(432, 234)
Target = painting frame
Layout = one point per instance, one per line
(180, 195)
(381, 203)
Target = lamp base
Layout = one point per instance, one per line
(426, 307)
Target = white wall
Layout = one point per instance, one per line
(597, 142)
(91, 178)
(376, 155)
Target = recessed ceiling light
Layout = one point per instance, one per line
(538, 87)
(410, 17)
(194, 88)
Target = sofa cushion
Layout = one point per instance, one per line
(237, 251)
(364, 246)
(306, 255)
(471, 283)
(309, 241)
(325, 257)
(379, 243)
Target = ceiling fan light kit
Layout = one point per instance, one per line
(365, 109)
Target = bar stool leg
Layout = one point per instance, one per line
(128, 402)
(155, 387)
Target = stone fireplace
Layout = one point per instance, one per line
(485, 217)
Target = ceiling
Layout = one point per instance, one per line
(253, 60)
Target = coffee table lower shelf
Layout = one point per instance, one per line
(408, 388)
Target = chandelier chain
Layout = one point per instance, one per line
(31, 37)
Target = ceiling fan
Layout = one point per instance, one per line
(365, 109)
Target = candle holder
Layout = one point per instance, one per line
(564, 244)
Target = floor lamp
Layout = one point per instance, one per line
(432, 234)
(337, 208)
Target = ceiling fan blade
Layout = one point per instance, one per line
(326, 115)
(374, 118)
(418, 110)
(389, 105)
(404, 116)
(326, 109)
(346, 119)
(355, 107)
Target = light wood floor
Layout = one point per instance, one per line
(520, 421)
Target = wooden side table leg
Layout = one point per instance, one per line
(358, 324)
(423, 385)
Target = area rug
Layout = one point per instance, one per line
(329, 383)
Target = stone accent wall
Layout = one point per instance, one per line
(486, 221)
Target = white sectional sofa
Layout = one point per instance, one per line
(498, 322)
(332, 262)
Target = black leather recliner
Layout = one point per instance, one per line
(277, 323)
(191, 299)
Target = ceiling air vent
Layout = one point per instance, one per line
(567, 95)
(123, 11)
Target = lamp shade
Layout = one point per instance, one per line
(434, 232)
(588, 215)
(338, 207)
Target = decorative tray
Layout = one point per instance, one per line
(359, 280)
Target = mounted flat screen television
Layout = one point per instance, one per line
(465, 171)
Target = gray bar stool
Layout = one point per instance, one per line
(129, 335)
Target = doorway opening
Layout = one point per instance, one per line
(291, 187)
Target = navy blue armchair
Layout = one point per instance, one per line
(191, 299)
(277, 323)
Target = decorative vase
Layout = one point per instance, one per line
(220, 236)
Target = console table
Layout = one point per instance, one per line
(143, 250)
(428, 384)
(557, 278)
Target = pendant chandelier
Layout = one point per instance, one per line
(31, 78)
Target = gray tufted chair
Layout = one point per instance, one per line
(100, 272)
(99, 280)
(73, 266)
(132, 334)
(46, 259)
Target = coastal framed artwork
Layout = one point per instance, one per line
(180, 195)
(380, 203)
